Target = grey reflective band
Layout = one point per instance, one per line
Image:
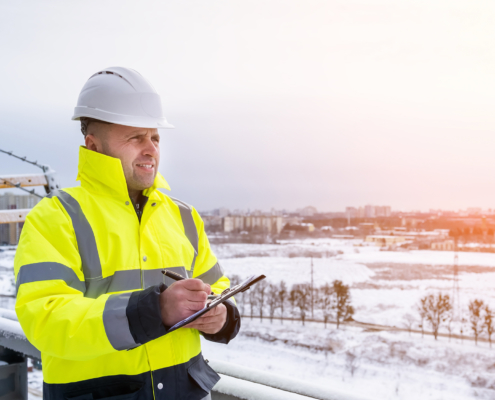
(125, 280)
(212, 275)
(178, 270)
(189, 228)
(152, 277)
(48, 271)
(120, 281)
(85, 237)
(116, 323)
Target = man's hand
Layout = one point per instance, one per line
(211, 322)
(182, 299)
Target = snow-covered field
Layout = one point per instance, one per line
(373, 365)
(385, 286)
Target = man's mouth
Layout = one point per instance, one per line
(146, 166)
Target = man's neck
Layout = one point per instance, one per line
(135, 195)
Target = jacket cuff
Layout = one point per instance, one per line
(231, 327)
(144, 315)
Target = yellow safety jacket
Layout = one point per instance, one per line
(88, 277)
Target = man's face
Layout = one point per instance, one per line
(137, 148)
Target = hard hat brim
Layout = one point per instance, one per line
(119, 119)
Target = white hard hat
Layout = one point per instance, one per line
(121, 96)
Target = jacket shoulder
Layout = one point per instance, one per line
(50, 209)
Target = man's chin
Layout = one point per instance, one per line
(143, 184)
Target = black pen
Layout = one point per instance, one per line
(175, 276)
(178, 277)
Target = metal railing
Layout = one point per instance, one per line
(237, 383)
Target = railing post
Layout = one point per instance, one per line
(13, 375)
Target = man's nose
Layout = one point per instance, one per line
(150, 148)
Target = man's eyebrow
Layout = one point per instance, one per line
(135, 133)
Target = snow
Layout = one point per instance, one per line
(249, 391)
(427, 257)
(10, 327)
(377, 365)
(278, 381)
(356, 360)
(297, 269)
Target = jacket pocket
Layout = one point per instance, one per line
(203, 374)
(116, 391)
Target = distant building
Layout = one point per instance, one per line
(308, 211)
(271, 224)
(10, 233)
(353, 212)
(385, 240)
(11, 201)
(300, 227)
(445, 245)
(383, 211)
(474, 211)
(213, 223)
(366, 227)
(368, 211)
(221, 212)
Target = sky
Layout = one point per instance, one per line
(276, 103)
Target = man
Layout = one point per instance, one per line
(90, 289)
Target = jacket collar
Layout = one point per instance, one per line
(105, 175)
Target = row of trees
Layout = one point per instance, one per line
(436, 310)
(330, 302)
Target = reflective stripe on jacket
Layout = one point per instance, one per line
(88, 275)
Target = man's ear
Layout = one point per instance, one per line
(92, 143)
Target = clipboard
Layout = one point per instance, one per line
(224, 296)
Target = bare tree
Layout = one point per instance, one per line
(409, 321)
(343, 307)
(282, 294)
(488, 322)
(239, 297)
(253, 300)
(293, 299)
(272, 300)
(421, 307)
(235, 280)
(436, 309)
(476, 317)
(303, 294)
(463, 322)
(326, 302)
(262, 289)
(448, 323)
(351, 361)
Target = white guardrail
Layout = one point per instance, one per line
(237, 383)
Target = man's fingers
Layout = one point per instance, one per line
(196, 296)
(213, 312)
(201, 326)
(204, 319)
(195, 306)
(196, 285)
